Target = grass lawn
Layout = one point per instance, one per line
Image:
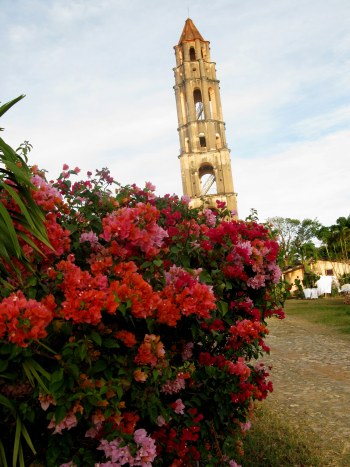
(274, 442)
(331, 312)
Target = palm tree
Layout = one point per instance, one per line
(26, 218)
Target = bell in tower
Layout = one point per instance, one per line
(204, 155)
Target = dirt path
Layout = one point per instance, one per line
(311, 375)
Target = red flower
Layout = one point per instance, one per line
(128, 338)
(151, 351)
(23, 320)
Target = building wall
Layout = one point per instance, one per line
(321, 268)
(330, 268)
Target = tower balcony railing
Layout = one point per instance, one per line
(208, 184)
(200, 111)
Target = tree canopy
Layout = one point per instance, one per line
(297, 239)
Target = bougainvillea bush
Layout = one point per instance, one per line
(134, 340)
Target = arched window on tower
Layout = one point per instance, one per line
(218, 141)
(198, 102)
(187, 145)
(192, 54)
(202, 140)
(212, 103)
(207, 180)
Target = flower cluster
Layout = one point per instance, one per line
(23, 320)
(119, 454)
(134, 339)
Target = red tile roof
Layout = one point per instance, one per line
(190, 32)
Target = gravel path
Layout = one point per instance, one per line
(311, 375)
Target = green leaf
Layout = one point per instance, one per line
(28, 373)
(95, 336)
(57, 376)
(83, 351)
(210, 371)
(99, 366)
(30, 242)
(10, 230)
(21, 456)
(205, 277)
(60, 413)
(185, 260)
(74, 369)
(223, 307)
(119, 391)
(20, 175)
(30, 368)
(7, 403)
(110, 343)
(59, 386)
(3, 365)
(27, 438)
(40, 369)
(17, 199)
(3, 455)
(5, 107)
(16, 441)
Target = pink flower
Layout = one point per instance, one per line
(88, 237)
(161, 420)
(140, 435)
(275, 272)
(173, 386)
(65, 166)
(137, 227)
(46, 400)
(150, 187)
(147, 452)
(121, 455)
(115, 453)
(69, 421)
(185, 200)
(210, 217)
(178, 406)
(245, 426)
(187, 351)
(92, 433)
(256, 282)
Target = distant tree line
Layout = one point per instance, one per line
(302, 241)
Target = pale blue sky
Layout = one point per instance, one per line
(98, 79)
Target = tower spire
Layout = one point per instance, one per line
(204, 155)
(190, 32)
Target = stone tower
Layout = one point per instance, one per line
(204, 155)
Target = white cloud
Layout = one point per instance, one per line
(312, 127)
(98, 78)
(308, 180)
